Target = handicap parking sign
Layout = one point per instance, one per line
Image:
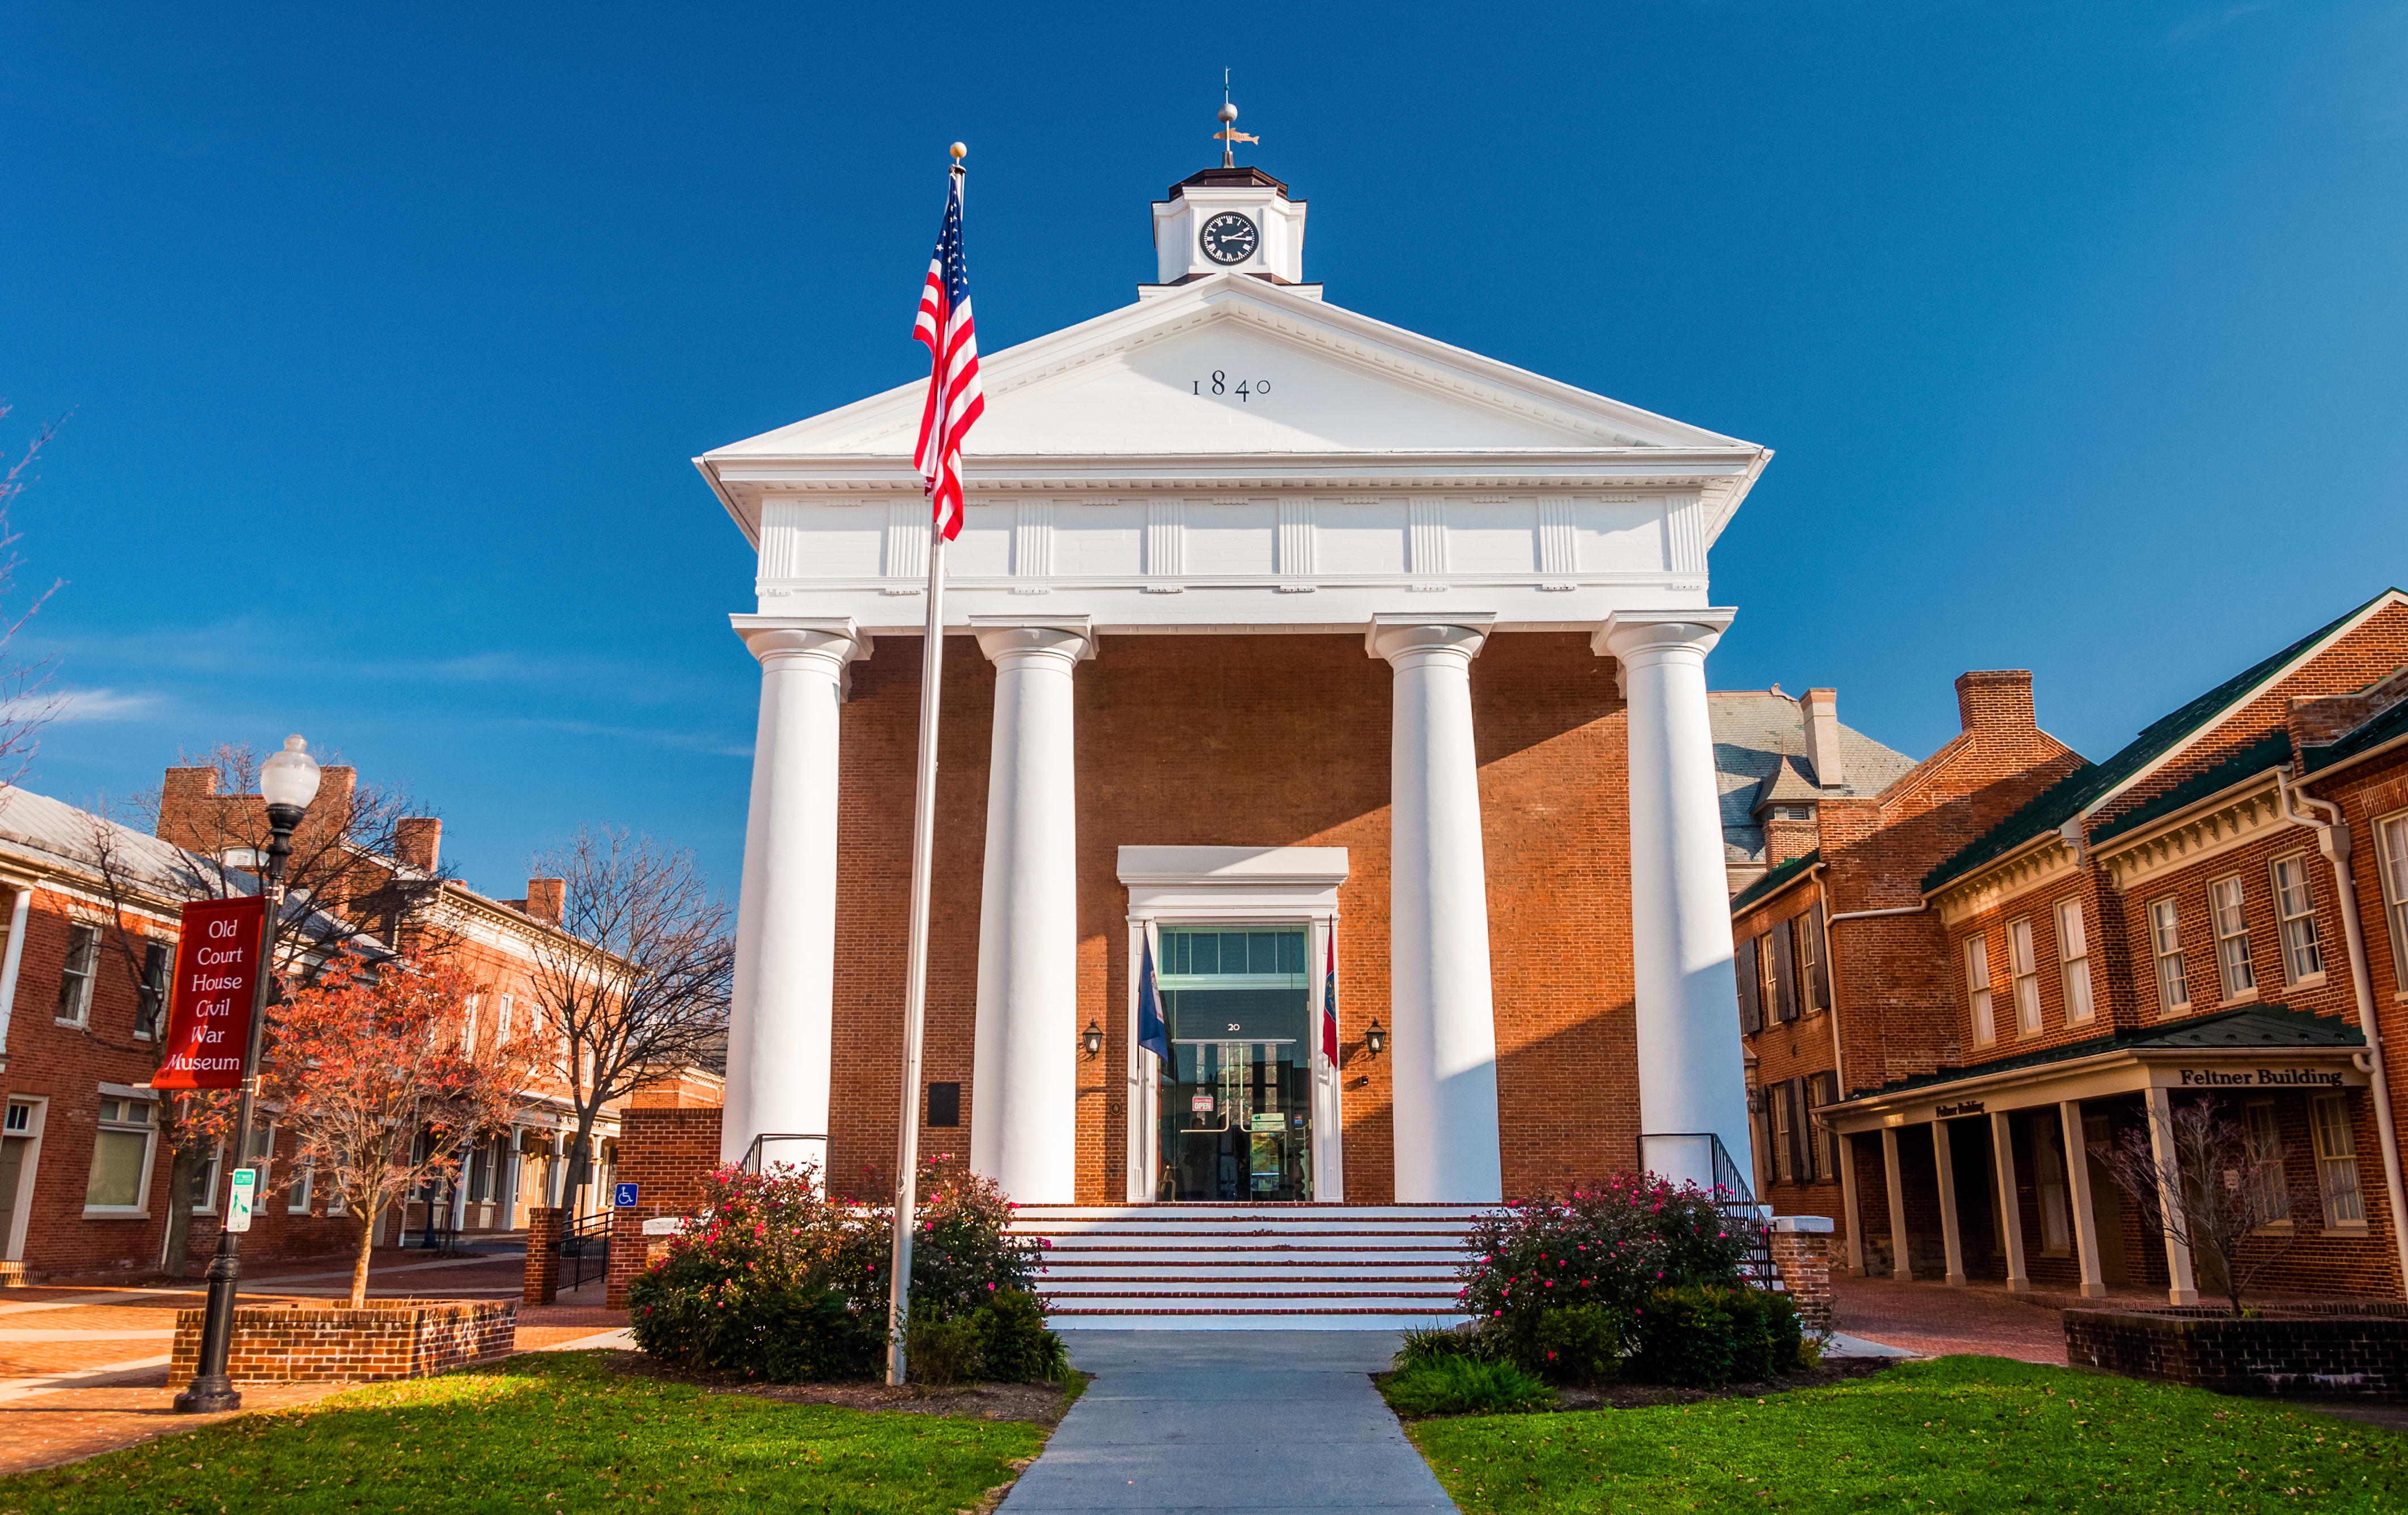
(624, 1196)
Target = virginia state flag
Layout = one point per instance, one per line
(1151, 1034)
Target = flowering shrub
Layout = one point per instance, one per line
(1611, 1245)
(780, 1284)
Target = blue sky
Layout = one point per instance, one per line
(388, 334)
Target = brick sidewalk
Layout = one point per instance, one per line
(1936, 1320)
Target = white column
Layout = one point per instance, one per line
(1951, 1242)
(1850, 1202)
(1025, 1089)
(1692, 1075)
(14, 954)
(2077, 1180)
(2011, 1217)
(1442, 1007)
(1901, 1266)
(780, 1020)
(2185, 1289)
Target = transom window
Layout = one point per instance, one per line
(2303, 955)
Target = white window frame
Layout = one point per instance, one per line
(1785, 1169)
(2337, 1173)
(15, 1225)
(2270, 1185)
(2295, 914)
(120, 1094)
(76, 983)
(501, 1019)
(2391, 845)
(469, 1026)
(2166, 956)
(2073, 956)
(1977, 988)
(2023, 960)
(303, 1188)
(2228, 917)
(214, 1166)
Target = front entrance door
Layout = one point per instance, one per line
(1235, 1113)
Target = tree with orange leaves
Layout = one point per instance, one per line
(373, 1067)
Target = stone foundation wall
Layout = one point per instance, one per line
(2312, 1353)
(387, 1338)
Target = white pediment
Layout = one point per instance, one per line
(1139, 382)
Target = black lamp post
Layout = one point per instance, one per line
(288, 781)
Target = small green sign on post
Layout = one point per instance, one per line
(239, 1201)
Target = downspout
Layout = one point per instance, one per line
(2332, 840)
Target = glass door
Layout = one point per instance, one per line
(1236, 1109)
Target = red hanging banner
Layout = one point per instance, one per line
(217, 976)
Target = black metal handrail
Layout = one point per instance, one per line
(584, 1249)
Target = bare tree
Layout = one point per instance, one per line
(635, 984)
(346, 885)
(27, 701)
(2230, 1190)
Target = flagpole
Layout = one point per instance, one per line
(924, 843)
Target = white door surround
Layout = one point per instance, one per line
(1233, 885)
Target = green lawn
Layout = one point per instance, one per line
(543, 1432)
(1958, 1434)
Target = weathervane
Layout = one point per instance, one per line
(1229, 135)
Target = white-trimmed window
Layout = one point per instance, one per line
(2337, 1160)
(2269, 1186)
(1785, 1137)
(2165, 945)
(119, 1181)
(2395, 893)
(2303, 955)
(1977, 987)
(2074, 952)
(151, 1006)
(501, 1019)
(305, 1180)
(76, 978)
(2224, 908)
(205, 1180)
(2026, 968)
(469, 1026)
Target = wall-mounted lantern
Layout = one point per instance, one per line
(1375, 1040)
(1093, 1039)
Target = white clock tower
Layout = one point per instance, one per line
(1229, 221)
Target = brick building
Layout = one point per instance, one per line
(1280, 640)
(85, 1173)
(2063, 950)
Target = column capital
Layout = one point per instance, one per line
(835, 641)
(1013, 639)
(1408, 637)
(1635, 634)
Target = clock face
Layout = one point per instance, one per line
(1228, 238)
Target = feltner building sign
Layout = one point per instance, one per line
(1289, 641)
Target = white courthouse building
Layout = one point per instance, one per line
(1277, 633)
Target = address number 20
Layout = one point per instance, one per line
(1245, 388)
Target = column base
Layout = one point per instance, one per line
(2094, 1291)
(2019, 1286)
(1956, 1281)
(1903, 1275)
(2181, 1297)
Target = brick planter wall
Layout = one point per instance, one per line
(666, 1155)
(2362, 1354)
(386, 1338)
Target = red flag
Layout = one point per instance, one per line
(216, 974)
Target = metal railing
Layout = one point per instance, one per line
(1700, 1158)
(773, 1148)
(584, 1249)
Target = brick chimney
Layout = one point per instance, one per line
(1821, 708)
(418, 840)
(188, 809)
(1995, 699)
(545, 897)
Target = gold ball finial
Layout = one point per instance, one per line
(1228, 111)
(960, 152)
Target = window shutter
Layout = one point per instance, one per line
(157, 965)
(1785, 978)
(1821, 988)
(1801, 1154)
(1751, 997)
(1827, 1092)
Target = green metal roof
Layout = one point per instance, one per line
(2269, 751)
(2086, 786)
(2273, 1026)
(1774, 880)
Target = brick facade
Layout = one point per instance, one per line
(389, 1338)
(1255, 740)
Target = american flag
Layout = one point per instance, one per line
(1329, 1005)
(954, 399)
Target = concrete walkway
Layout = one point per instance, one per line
(1259, 1422)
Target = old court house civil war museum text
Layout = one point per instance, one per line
(1300, 637)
